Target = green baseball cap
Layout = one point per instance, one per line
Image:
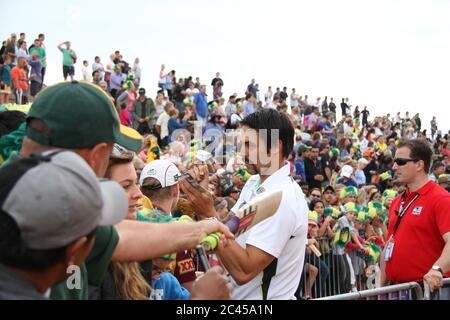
(334, 152)
(304, 148)
(80, 115)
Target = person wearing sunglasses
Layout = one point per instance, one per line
(315, 194)
(419, 222)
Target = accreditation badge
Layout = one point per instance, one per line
(389, 249)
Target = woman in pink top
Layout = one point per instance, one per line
(124, 115)
(131, 97)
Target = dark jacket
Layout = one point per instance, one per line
(136, 111)
(312, 170)
(332, 107)
(344, 107)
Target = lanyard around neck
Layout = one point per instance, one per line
(402, 210)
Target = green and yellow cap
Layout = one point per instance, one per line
(350, 207)
(128, 84)
(350, 190)
(313, 216)
(372, 213)
(362, 216)
(78, 115)
(332, 212)
(374, 252)
(377, 205)
(389, 193)
(385, 176)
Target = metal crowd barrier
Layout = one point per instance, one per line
(439, 294)
(403, 291)
(332, 274)
(329, 277)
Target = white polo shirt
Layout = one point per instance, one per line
(283, 236)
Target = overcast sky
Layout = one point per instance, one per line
(391, 55)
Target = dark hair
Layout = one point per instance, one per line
(341, 144)
(85, 61)
(437, 164)
(10, 121)
(314, 202)
(372, 195)
(94, 72)
(323, 146)
(151, 188)
(123, 105)
(96, 57)
(420, 150)
(22, 33)
(15, 253)
(40, 35)
(270, 119)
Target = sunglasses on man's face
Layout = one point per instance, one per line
(403, 161)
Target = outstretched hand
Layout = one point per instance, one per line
(199, 198)
(213, 285)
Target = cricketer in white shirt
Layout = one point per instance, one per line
(283, 236)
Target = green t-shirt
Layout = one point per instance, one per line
(41, 52)
(67, 58)
(93, 269)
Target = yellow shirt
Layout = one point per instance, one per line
(153, 152)
(381, 146)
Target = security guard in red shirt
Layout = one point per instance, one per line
(418, 246)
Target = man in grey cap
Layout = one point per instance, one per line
(45, 232)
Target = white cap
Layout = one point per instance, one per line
(162, 170)
(346, 171)
(363, 161)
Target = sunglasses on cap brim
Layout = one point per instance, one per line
(119, 152)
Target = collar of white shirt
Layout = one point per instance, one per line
(275, 179)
